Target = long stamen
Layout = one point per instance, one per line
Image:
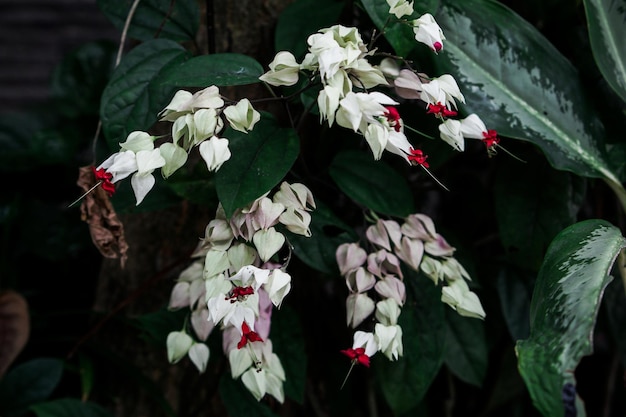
(85, 194)
(504, 149)
(348, 374)
(435, 178)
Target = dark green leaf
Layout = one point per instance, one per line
(260, 159)
(616, 312)
(217, 69)
(371, 183)
(301, 19)
(288, 344)
(521, 85)
(177, 20)
(327, 233)
(238, 400)
(134, 96)
(70, 407)
(564, 308)
(156, 326)
(531, 211)
(466, 348)
(605, 21)
(399, 35)
(29, 383)
(405, 382)
(515, 290)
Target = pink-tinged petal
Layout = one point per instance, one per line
(201, 323)
(391, 287)
(358, 308)
(360, 280)
(411, 252)
(438, 247)
(179, 296)
(350, 256)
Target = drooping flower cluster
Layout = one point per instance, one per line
(235, 281)
(416, 244)
(196, 121)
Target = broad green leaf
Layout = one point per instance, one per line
(238, 400)
(78, 81)
(405, 382)
(134, 95)
(533, 203)
(288, 344)
(217, 69)
(515, 290)
(327, 233)
(616, 312)
(466, 348)
(70, 407)
(176, 20)
(564, 307)
(399, 35)
(260, 160)
(29, 383)
(522, 86)
(302, 18)
(372, 184)
(607, 31)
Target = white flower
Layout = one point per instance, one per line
(174, 156)
(143, 180)
(357, 110)
(450, 132)
(358, 307)
(199, 355)
(296, 220)
(278, 286)
(443, 90)
(387, 312)
(473, 127)
(428, 32)
(214, 152)
(400, 8)
(408, 84)
(267, 242)
(184, 102)
(365, 340)
(178, 344)
(389, 339)
(242, 116)
(283, 70)
(328, 102)
(458, 296)
(349, 257)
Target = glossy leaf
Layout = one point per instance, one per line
(177, 20)
(522, 86)
(302, 18)
(607, 31)
(564, 307)
(29, 383)
(466, 348)
(399, 35)
(70, 407)
(134, 96)
(405, 382)
(260, 159)
(327, 233)
(372, 184)
(216, 69)
(531, 211)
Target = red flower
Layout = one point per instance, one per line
(490, 138)
(248, 336)
(105, 180)
(357, 355)
(440, 110)
(418, 157)
(393, 118)
(238, 293)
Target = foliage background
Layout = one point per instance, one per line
(97, 330)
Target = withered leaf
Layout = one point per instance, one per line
(14, 327)
(107, 231)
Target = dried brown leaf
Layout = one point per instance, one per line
(14, 327)
(107, 231)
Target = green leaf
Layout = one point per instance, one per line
(29, 383)
(238, 400)
(399, 35)
(605, 22)
(616, 312)
(70, 407)
(371, 183)
(302, 18)
(405, 382)
(78, 81)
(216, 69)
(260, 160)
(288, 344)
(564, 307)
(176, 20)
(531, 211)
(327, 233)
(134, 95)
(466, 348)
(521, 85)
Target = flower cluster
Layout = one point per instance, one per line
(234, 283)
(415, 243)
(196, 121)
